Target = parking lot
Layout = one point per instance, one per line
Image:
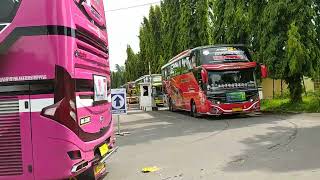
(266, 146)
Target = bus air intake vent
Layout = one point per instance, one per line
(10, 139)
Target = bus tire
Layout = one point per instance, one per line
(171, 108)
(193, 111)
(87, 175)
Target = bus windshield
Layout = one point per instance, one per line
(223, 80)
(8, 9)
(223, 54)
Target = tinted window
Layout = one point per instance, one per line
(2, 27)
(224, 54)
(175, 68)
(8, 9)
(219, 80)
(186, 65)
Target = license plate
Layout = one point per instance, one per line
(99, 169)
(236, 96)
(237, 109)
(103, 149)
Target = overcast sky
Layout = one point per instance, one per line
(123, 27)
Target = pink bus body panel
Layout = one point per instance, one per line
(45, 142)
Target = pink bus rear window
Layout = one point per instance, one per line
(8, 9)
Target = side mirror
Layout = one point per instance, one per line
(204, 76)
(264, 71)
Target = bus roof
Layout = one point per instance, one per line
(187, 52)
(143, 77)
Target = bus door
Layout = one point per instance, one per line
(185, 88)
(16, 160)
(188, 82)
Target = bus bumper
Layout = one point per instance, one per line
(98, 168)
(52, 144)
(239, 108)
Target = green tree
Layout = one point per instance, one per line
(202, 28)
(217, 19)
(132, 65)
(283, 34)
(317, 23)
(117, 77)
(170, 28)
(288, 42)
(144, 46)
(317, 19)
(155, 38)
(231, 23)
(186, 25)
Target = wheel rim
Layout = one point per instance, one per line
(193, 109)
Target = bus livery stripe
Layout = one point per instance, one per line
(36, 105)
(19, 32)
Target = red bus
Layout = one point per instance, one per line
(55, 110)
(212, 80)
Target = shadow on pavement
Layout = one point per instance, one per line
(282, 149)
(151, 126)
(276, 150)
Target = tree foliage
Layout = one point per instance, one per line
(132, 65)
(118, 76)
(288, 42)
(283, 34)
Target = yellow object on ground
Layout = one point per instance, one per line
(150, 169)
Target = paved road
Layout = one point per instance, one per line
(263, 147)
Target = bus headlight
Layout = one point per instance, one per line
(216, 102)
(254, 98)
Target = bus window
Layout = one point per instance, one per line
(193, 60)
(167, 74)
(8, 9)
(186, 65)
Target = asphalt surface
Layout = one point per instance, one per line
(266, 146)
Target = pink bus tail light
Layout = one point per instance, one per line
(50, 111)
(61, 112)
(64, 109)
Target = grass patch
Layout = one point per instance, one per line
(310, 104)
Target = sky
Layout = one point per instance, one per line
(123, 27)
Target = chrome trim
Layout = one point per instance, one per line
(74, 167)
(109, 154)
(4, 24)
(230, 111)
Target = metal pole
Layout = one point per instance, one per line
(273, 89)
(119, 133)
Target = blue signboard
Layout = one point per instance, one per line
(119, 105)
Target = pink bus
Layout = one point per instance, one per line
(55, 111)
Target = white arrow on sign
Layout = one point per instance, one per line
(117, 101)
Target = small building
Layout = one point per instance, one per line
(275, 87)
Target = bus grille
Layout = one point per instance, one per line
(10, 140)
